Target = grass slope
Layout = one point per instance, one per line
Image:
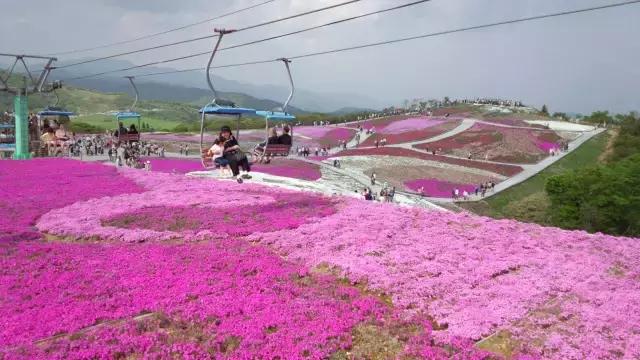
(528, 201)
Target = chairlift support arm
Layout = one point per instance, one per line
(135, 89)
(221, 34)
(287, 63)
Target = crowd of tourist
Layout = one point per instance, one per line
(484, 101)
(387, 194)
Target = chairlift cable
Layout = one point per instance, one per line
(446, 32)
(166, 31)
(270, 22)
(336, 22)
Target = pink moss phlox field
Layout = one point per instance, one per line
(225, 289)
(321, 136)
(294, 169)
(438, 188)
(202, 209)
(547, 146)
(287, 168)
(31, 188)
(285, 213)
(477, 275)
(410, 124)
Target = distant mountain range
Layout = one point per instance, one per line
(190, 87)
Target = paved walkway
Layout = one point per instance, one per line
(401, 197)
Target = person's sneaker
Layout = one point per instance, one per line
(239, 180)
(246, 176)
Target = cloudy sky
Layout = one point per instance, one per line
(576, 63)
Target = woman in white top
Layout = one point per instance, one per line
(217, 153)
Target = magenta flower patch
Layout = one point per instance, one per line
(290, 168)
(410, 124)
(31, 188)
(226, 299)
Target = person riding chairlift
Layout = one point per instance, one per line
(121, 130)
(285, 138)
(234, 155)
(132, 129)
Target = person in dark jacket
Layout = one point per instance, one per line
(234, 155)
(285, 138)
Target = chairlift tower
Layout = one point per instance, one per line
(30, 84)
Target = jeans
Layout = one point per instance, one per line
(235, 164)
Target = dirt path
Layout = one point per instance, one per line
(608, 151)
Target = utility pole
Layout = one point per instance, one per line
(30, 84)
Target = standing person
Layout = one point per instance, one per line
(234, 155)
(456, 193)
(186, 150)
(373, 179)
(120, 152)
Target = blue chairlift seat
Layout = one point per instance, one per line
(7, 146)
(127, 115)
(7, 126)
(276, 115)
(55, 111)
(213, 109)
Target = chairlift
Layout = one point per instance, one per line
(129, 114)
(55, 110)
(280, 114)
(7, 141)
(218, 106)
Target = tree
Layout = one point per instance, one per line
(561, 115)
(600, 198)
(599, 117)
(545, 110)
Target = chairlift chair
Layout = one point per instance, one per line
(271, 150)
(55, 110)
(218, 106)
(129, 114)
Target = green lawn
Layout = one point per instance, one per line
(527, 201)
(105, 122)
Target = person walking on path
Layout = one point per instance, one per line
(373, 179)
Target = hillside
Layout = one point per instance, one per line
(307, 99)
(176, 93)
(95, 108)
